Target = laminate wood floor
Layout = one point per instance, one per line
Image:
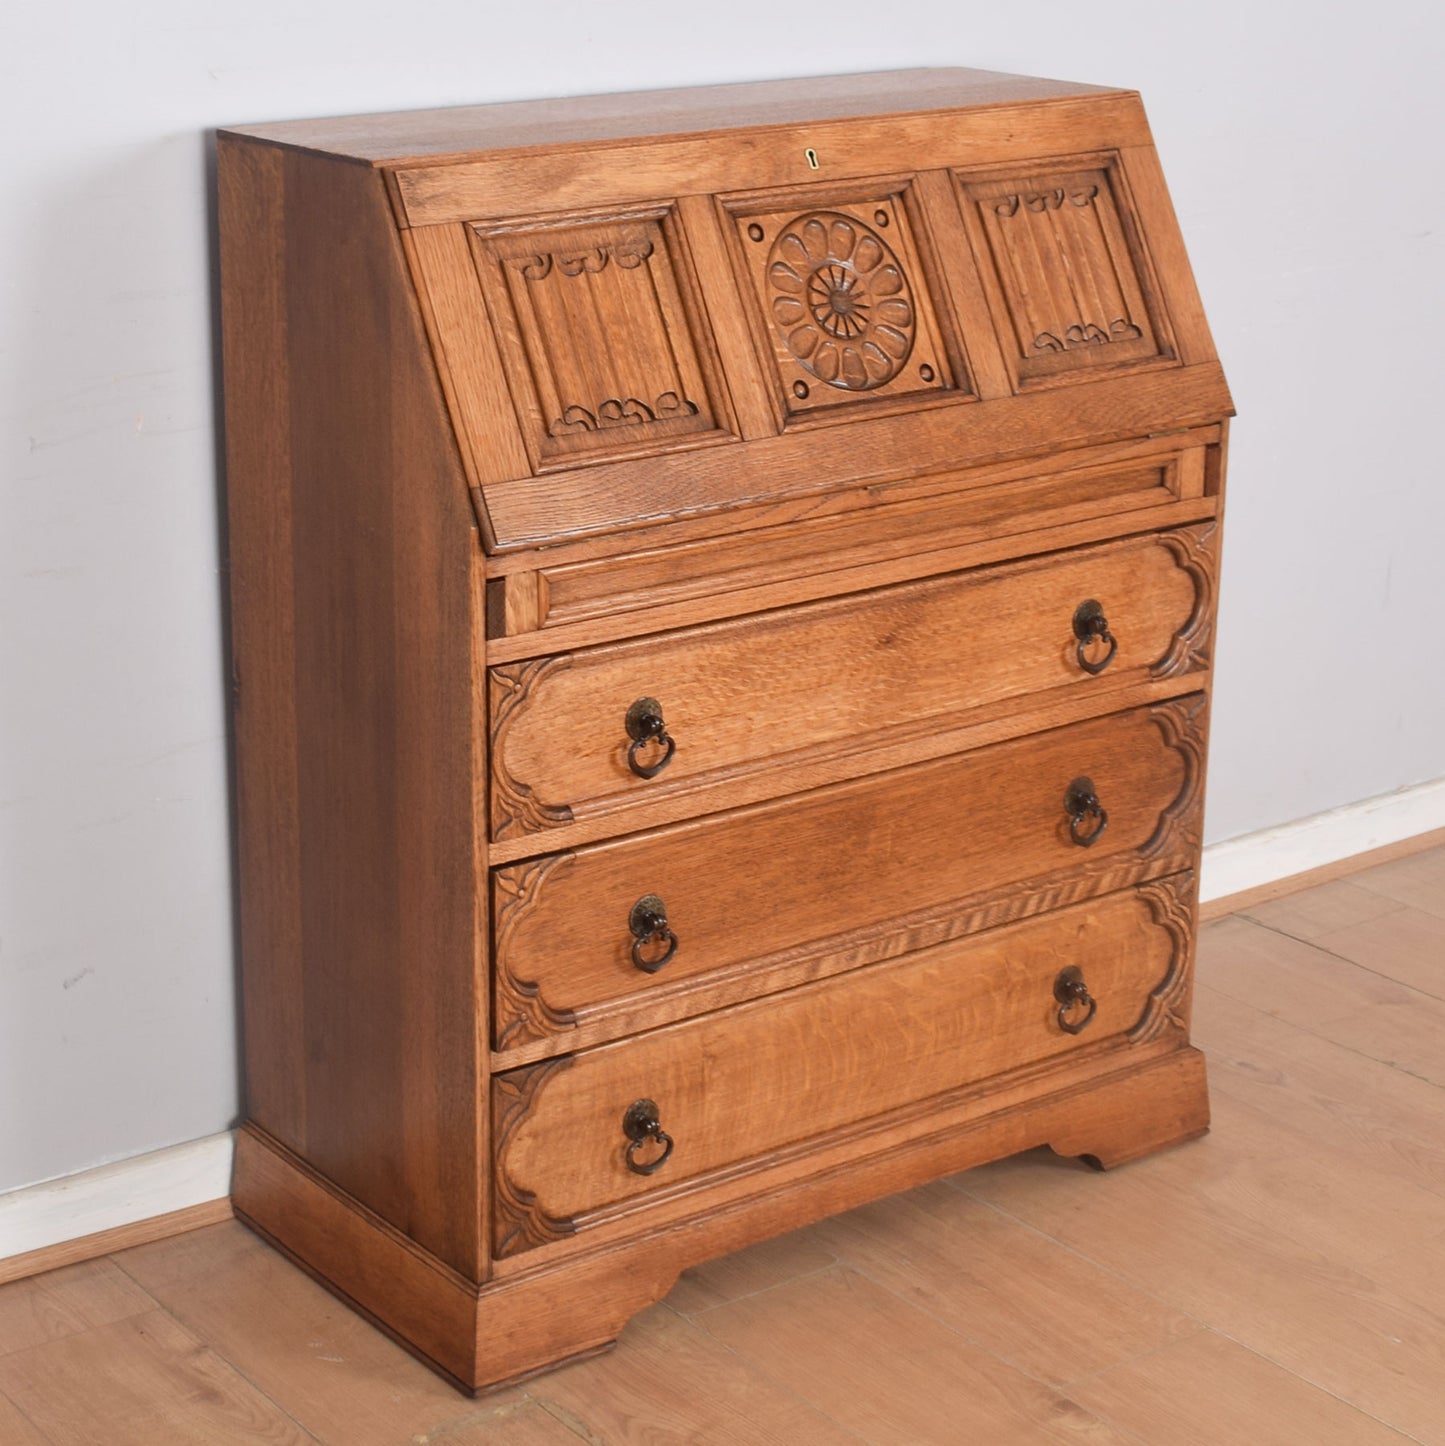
(1279, 1283)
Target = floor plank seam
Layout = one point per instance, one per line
(264, 1394)
(25, 1416)
(1322, 1389)
(1344, 958)
(750, 1294)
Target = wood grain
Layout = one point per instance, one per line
(818, 1059)
(930, 525)
(895, 1372)
(1005, 1288)
(676, 1382)
(355, 702)
(139, 1381)
(781, 521)
(67, 1302)
(566, 1304)
(1178, 1396)
(1268, 1285)
(1016, 1297)
(643, 169)
(560, 506)
(340, 1378)
(556, 122)
(979, 826)
(560, 749)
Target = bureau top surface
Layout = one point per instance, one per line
(418, 136)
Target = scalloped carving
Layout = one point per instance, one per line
(602, 334)
(1171, 901)
(1070, 281)
(1197, 553)
(516, 809)
(841, 301)
(1182, 721)
(518, 1222)
(519, 1013)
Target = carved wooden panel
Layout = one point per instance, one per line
(843, 296)
(737, 1085)
(602, 337)
(1066, 270)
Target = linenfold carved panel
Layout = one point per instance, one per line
(1066, 270)
(601, 335)
(843, 295)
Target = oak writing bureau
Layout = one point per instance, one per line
(722, 596)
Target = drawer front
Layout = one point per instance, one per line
(743, 1084)
(833, 676)
(767, 896)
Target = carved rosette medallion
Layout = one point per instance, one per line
(840, 301)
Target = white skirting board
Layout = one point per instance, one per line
(109, 1196)
(1272, 854)
(199, 1171)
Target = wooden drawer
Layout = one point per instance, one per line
(747, 1083)
(767, 896)
(836, 677)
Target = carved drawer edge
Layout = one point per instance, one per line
(522, 1016)
(518, 811)
(520, 1224)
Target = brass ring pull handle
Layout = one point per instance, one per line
(648, 922)
(1091, 626)
(641, 1124)
(1081, 803)
(647, 730)
(1073, 995)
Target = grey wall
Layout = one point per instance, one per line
(1302, 143)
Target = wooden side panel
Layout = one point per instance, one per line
(738, 1085)
(739, 696)
(252, 187)
(377, 748)
(846, 874)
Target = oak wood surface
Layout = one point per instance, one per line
(732, 394)
(756, 592)
(558, 506)
(566, 122)
(742, 694)
(773, 522)
(907, 529)
(814, 1060)
(894, 862)
(352, 607)
(643, 169)
(163, 1384)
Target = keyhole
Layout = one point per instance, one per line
(812, 156)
